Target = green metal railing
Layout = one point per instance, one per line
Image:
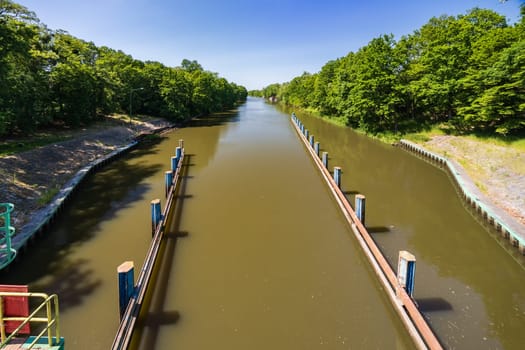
(51, 319)
(7, 253)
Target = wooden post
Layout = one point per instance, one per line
(306, 133)
(181, 144)
(325, 159)
(406, 271)
(360, 202)
(317, 147)
(126, 285)
(155, 215)
(312, 140)
(337, 176)
(168, 176)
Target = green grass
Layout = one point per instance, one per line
(26, 144)
(424, 136)
(517, 143)
(48, 195)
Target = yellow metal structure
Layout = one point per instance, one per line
(45, 313)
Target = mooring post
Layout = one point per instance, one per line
(317, 147)
(155, 215)
(168, 176)
(312, 140)
(406, 271)
(337, 176)
(360, 202)
(178, 154)
(126, 285)
(325, 159)
(173, 163)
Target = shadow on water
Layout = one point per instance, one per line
(153, 316)
(216, 119)
(433, 304)
(51, 255)
(378, 229)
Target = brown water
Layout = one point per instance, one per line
(467, 285)
(259, 258)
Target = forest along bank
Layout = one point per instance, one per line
(464, 277)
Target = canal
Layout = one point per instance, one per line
(259, 256)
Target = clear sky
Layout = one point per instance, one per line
(252, 43)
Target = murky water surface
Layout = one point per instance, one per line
(258, 256)
(469, 287)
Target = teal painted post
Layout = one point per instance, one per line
(155, 215)
(306, 133)
(312, 141)
(317, 147)
(325, 159)
(406, 271)
(168, 176)
(337, 176)
(360, 202)
(126, 285)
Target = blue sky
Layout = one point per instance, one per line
(251, 43)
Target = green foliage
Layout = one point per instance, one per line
(52, 78)
(48, 195)
(465, 72)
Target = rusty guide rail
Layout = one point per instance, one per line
(404, 305)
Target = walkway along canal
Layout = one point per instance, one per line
(470, 289)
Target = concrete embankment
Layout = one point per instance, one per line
(42, 219)
(482, 206)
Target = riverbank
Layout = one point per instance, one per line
(498, 171)
(31, 179)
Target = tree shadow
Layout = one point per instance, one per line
(215, 119)
(99, 197)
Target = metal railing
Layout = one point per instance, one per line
(7, 253)
(51, 319)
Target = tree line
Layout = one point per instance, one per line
(465, 72)
(50, 77)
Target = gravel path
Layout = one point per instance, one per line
(499, 172)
